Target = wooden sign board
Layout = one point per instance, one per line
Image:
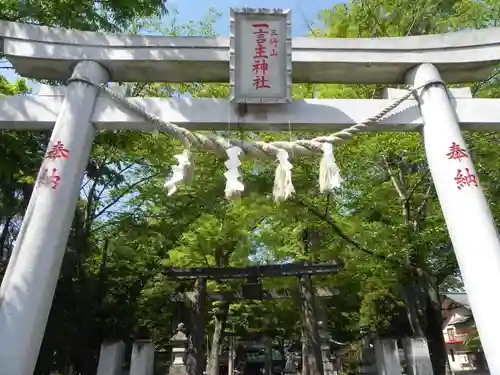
(260, 56)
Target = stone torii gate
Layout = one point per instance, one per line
(425, 62)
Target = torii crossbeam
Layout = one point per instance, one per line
(48, 53)
(272, 294)
(274, 270)
(41, 111)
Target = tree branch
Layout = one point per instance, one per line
(341, 233)
(120, 172)
(448, 269)
(481, 84)
(417, 184)
(400, 189)
(419, 217)
(127, 191)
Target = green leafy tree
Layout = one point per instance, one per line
(389, 208)
(109, 15)
(385, 222)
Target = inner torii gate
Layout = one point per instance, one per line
(425, 62)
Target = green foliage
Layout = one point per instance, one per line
(385, 223)
(384, 313)
(13, 88)
(110, 15)
(22, 151)
(472, 342)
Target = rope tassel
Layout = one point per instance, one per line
(234, 186)
(329, 173)
(181, 173)
(283, 187)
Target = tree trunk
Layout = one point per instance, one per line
(434, 333)
(428, 322)
(196, 356)
(3, 238)
(305, 349)
(220, 321)
(408, 293)
(312, 340)
(268, 365)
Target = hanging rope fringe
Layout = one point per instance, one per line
(181, 173)
(329, 173)
(234, 186)
(283, 188)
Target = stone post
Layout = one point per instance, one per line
(367, 364)
(231, 354)
(468, 218)
(290, 367)
(179, 344)
(111, 358)
(324, 336)
(143, 358)
(28, 287)
(196, 354)
(269, 365)
(417, 356)
(387, 357)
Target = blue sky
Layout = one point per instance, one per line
(192, 10)
(301, 10)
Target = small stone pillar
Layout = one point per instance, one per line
(417, 356)
(269, 365)
(179, 344)
(231, 354)
(387, 355)
(324, 336)
(111, 358)
(367, 365)
(290, 367)
(143, 357)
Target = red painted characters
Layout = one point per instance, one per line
(464, 177)
(54, 179)
(274, 43)
(457, 152)
(264, 37)
(56, 151)
(260, 58)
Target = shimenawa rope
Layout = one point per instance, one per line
(329, 172)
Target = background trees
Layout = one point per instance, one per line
(385, 222)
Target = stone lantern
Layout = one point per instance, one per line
(179, 344)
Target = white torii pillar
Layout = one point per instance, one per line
(468, 218)
(28, 289)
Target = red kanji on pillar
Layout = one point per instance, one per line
(58, 151)
(467, 179)
(54, 179)
(457, 152)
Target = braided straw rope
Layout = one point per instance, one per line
(215, 143)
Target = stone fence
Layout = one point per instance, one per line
(142, 360)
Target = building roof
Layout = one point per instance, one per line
(459, 298)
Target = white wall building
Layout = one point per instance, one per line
(457, 323)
